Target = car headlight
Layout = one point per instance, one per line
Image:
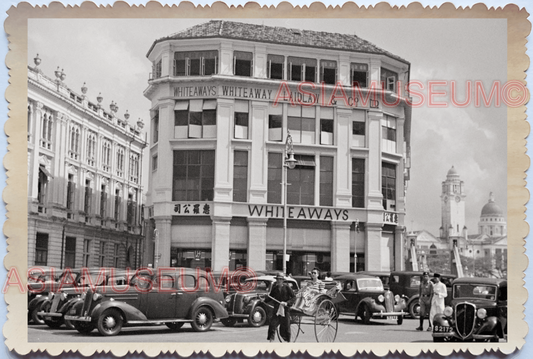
(246, 300)
(83, 295)
(63, 296)
(228, 299)
(96, 296)
(448, 311)
(397, 298)
(482, 313)
(381, 298)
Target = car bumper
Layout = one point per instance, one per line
(47, 315)
(77, 319)
(388, 314)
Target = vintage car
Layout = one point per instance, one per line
(367, 299)
(43, 281)
(57, 304)
(407, 284)
(172, 296)
(246, 302)
(478, 312)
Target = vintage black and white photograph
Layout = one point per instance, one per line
(268, 180)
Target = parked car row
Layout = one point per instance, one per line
(108, 299)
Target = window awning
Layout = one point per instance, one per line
(242, 55)
(241, 106)
(278, 110)
(301, 60)
(326, 113)
(181, 105)
(305, 163)
(45, 172)
(279, 59)
(328, 64)
(196, 105)
(210, 105)
(294, 111)
(308, 111)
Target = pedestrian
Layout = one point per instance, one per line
(281, 296)
(437, 301)
(328, 277)
(425, 291)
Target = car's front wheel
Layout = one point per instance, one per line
(229, 322)
(36, 319)
(414, 308)
(175, 325)
(257, 317)
(110, 322)
(366, 314)
(202, 319)
(83, 327)
(54, 323)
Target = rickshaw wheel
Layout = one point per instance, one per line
(326, 322)
(295, 329)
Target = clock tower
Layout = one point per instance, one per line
(453, 207)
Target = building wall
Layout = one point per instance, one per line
(59, 171)
(215, 232)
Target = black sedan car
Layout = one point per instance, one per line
(367, 299)
(478, 312)
(246, 303)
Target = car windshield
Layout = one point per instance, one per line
(370, 284)
(261, 285)
(479, 291)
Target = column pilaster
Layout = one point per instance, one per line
(163, 240)
(257, 243)
(220, 243)
(340, 246)
(373, 258)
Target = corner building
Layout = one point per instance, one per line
(218, 138)
(84, 178)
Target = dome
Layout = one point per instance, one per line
(452, 172)
(491, 209)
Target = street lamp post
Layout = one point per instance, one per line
(288, 162)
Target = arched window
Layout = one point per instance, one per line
(134, 167)
(91, 148)
(46, 130)
(106, 155)
(120, 161)
(74, 150)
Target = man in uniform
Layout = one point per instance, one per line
(425, 291)
(282, 296)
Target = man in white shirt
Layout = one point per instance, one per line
(437, 300)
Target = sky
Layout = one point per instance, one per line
(110, 57)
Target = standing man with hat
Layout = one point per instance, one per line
(437, 301)
(425, 291)
(282, 296)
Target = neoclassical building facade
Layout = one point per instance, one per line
(85, 180)
(225, 97)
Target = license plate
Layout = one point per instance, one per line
(392, 317)
(441, 329)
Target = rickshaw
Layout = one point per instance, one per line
(316, 307)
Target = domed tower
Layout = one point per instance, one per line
(492, 222)
(453, 206)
